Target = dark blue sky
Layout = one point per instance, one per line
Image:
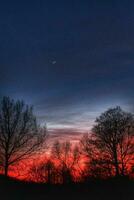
(70, 59)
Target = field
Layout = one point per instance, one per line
(94, 190)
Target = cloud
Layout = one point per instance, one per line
(66, 134)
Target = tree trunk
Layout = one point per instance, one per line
(6, 170)
(116, 163)
(123, 168)
(6, 165)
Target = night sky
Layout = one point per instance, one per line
(70, 59)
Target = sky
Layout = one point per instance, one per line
(70, 59)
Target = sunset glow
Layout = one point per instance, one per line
(67, 100)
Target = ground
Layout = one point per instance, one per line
(94, 190)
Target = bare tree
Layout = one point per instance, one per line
(67, 158)
(112, 140)
(49, 168)
(98, 163)
(43, 172)
(20, 136)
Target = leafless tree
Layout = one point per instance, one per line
(112, 140)
(36, 173)
(67, 158)
(20, 136)
(97, 163)
(43, 172)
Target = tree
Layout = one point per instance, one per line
(20, 135)
(112, 140)
(43, 172)
(67, 158)
(97, 163)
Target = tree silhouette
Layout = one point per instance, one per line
(44, 172)
(98, 163)
(67, 158)
(20, 136)
(111, 141)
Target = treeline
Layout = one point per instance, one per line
(107, 151)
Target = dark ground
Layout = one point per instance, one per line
(121, 189)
